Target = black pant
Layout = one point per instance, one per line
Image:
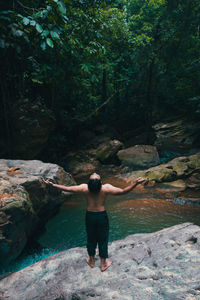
(97, 227)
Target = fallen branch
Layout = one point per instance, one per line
(98, 108)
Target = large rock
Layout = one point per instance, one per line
(80, 163)
(163, 265)
(139, 156)
(80, 168)
(106, 152)
(26, 203)
(101, 150)
(185, 167)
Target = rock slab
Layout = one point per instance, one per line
(163, 265)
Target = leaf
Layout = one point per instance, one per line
(45, 33)
(18, 33)
(49, 42)
(39, 28)
(19, 15)
(39, 14)
(49, 8)
(85, 68)
(25, 21)
(32, 23)
(43, 45)
(66, 18)
(6, 12)
(36, 81)
(54, 35)
(61, 7)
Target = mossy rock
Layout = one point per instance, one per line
(178, 168)
(160, 174)
(106, 152)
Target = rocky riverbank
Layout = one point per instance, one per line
(181, 173)
(163, 265)
(26, 203)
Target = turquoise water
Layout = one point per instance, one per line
(141, 212)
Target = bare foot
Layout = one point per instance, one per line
(106, 265)
(90, 262)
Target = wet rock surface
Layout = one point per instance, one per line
(26, 203)
(179, 168)
(160, 265)
(178, 180)
(139, 157)
(106, 152)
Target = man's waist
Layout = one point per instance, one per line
(96, 212)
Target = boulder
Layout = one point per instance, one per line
(159, 265)
(26, 202)
(78, 168)
(139, 156)
(89, 158)
(106, 152)
(81, 163)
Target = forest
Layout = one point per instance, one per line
(71, 65)
(107, 87)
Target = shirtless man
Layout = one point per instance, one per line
(97, 225)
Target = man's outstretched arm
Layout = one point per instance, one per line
(73, 189)
(110, 189)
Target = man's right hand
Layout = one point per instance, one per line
(140, 180)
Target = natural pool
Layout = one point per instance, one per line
(142, 211)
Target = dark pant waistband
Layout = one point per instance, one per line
(96, 212)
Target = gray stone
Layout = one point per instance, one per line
(106, 152)
(160, 266)
(26, 203)
(139, 156)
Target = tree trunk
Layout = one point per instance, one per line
(148, 117)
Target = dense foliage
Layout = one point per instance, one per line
(122, 63)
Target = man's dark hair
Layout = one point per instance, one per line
(94, 185)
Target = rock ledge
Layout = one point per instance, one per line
(159, 265)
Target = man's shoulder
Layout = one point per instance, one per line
(106, 186)
(83, 187)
